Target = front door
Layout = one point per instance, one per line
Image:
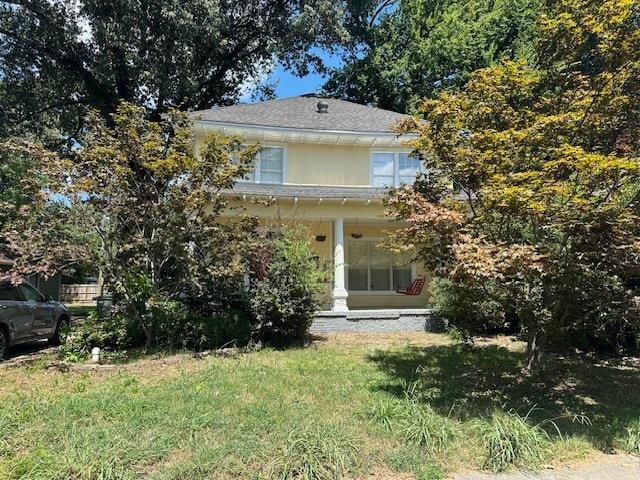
(43, 311)
(15, 313)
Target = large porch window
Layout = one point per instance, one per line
(372, 268)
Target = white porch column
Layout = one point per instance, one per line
(339, 293)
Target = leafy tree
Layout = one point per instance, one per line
(59, 58)
(546, 161)
(155, 208)
(36, 229)
(406, 50)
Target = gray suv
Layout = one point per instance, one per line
(26, 315)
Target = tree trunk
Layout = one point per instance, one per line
(535, 341)
(535, 348)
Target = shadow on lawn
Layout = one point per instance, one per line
(470, 382)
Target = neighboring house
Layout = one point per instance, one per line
(326, 163)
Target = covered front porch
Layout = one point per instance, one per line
(346, 225)
(367, 277)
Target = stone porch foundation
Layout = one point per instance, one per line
(371, 321)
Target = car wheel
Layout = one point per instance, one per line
(56, 340)
(4, 343)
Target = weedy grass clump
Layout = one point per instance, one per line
(509, 439)
(316, 453)
(417, 424)
(631, 439)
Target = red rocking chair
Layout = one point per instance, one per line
(414, 289)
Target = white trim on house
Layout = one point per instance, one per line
(302, 135)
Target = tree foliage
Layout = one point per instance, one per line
(60, 58)
(155, 206)
(406, 50)
(37, 230)
(545, 158)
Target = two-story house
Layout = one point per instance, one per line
(327, 163)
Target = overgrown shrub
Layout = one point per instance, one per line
(285, 293)
(114, 333)
(468, 309)
(174, 326)
(509, 439)
(277, 306)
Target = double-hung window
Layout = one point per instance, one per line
(390, 169)
(269, 166)
(372, 268)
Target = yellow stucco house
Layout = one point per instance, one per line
(327, 163)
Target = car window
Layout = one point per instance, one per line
(10, 292)
(30, 294)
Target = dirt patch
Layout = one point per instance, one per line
(418, 339)
(146, 371)
(381, 339)
(386, 474)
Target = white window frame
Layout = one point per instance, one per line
(368, 291)
(396, 165)
(257, 172)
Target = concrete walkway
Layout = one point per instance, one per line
(607, 467)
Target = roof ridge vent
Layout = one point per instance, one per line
(323, 107)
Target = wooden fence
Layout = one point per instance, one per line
(79, 292)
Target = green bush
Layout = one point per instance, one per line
(285, 293)
(467, 309)
(174, 327)
(278, 306)
(114, 333)
(509, 439)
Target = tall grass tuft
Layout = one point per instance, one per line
(509, 439)
(415, 423)
(631, 440)
(316, 453)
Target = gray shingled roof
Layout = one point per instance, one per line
(305, 191)
(302, 113)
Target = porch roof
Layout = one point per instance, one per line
(306, 191)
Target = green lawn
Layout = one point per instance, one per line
(346, 406)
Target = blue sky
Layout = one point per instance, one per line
(289, 85)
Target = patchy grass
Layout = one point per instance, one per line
(411, 406)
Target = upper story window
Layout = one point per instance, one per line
(269, 166)
(390, 169)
